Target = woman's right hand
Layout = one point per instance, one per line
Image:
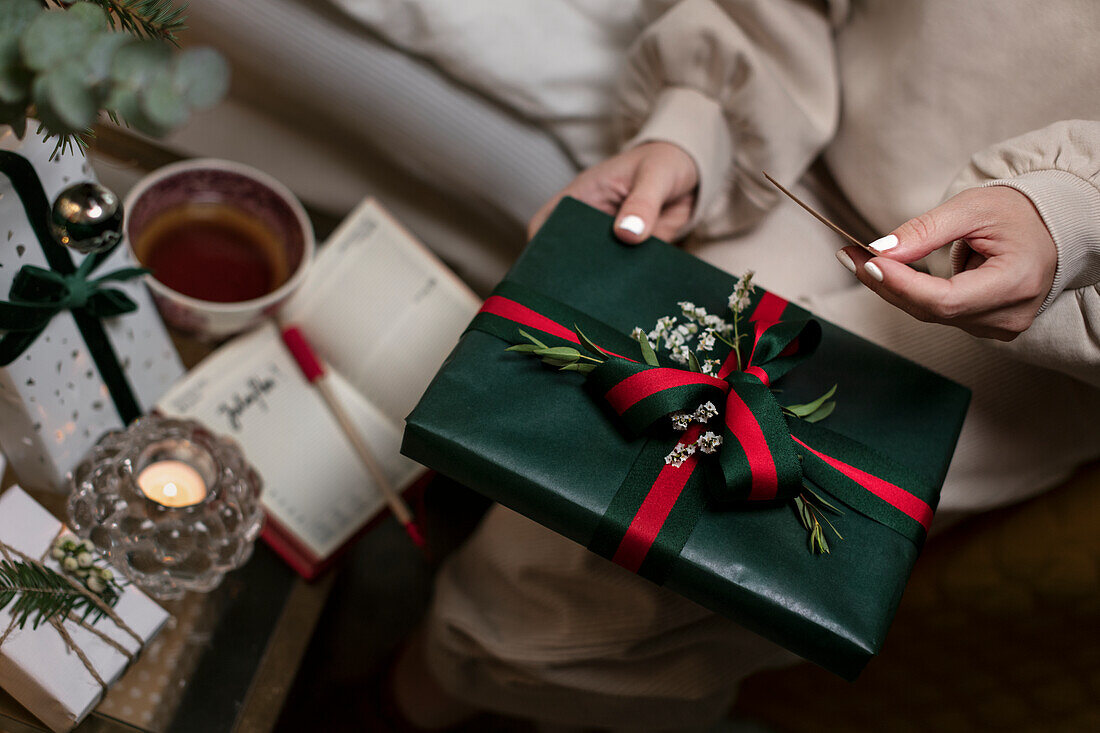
(650, 190)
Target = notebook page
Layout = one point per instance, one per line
(382, 310)
(314, 485)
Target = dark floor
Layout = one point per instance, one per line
(380, 595)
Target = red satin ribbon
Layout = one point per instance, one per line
(655, 508)
(638, 386)
(498, 305)
(893, 495)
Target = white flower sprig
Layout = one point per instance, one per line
(703, 413)
(708, 443)
(695, 328)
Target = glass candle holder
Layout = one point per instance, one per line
(173, 506)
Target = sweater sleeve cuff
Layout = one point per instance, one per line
(1070, 208)
(693, 121)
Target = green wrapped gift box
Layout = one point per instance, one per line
(555, 446)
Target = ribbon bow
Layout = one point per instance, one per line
(758, 456)
(764, 455)
(38, 294)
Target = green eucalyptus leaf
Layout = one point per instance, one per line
(90, 14)
(810, 407)
(55, 36)
(821, 413)
(160, 102)
(560, 352)
(63, 101)
(532, 339)
(123, 102)
(17, 14)
(100, 55)
(136, 62)
(693, 363)
(557, 362)
(587, 343)
(583, 368)
(15, 79)
(647, 351)
(523, 348)
(822, 500)
(803, 512)
(201, 75)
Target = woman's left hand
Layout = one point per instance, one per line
(1007, 275)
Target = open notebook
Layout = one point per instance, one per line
(383, 313)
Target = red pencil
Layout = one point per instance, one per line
(314, 372)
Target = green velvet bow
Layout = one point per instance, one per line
(38, 294)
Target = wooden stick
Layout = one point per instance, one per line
(819, 216)
(314, 372)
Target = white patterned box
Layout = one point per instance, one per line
(54, 403)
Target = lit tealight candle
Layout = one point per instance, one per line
(172, 483)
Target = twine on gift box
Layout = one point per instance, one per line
(58, 624)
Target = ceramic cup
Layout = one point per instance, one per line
(252, 192)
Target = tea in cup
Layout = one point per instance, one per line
(226, 243)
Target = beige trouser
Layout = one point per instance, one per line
(529, 623)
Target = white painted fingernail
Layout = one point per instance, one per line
(873, 270)
(888, 242)
(845, 260)
(632, 224)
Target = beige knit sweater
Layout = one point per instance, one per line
(909, 102)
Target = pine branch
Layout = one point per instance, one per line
(149, 18)
(40, 595)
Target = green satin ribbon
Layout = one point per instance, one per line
(38, 294)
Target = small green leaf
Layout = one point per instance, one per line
(647, 351)
(587, 343)
(532, 339)
(201, 75)
(809, 407)
(136, 62)
(17, 14)
(559, 352)
(582, 368)
(14, 79)
(90, 14)
(160, 102)
(100, 54)
(64, 103)
(818, 496)
(693, 363)
(557, 362)
(523, 348)
(55, 36)
(803, 512)
(821, 413)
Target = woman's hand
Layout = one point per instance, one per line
(1007, 275)
(650, 190)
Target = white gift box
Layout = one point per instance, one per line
(36, 666)
(54, 404)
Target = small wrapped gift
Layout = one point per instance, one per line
(82, 349)
(59, 672)
(626, 459)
